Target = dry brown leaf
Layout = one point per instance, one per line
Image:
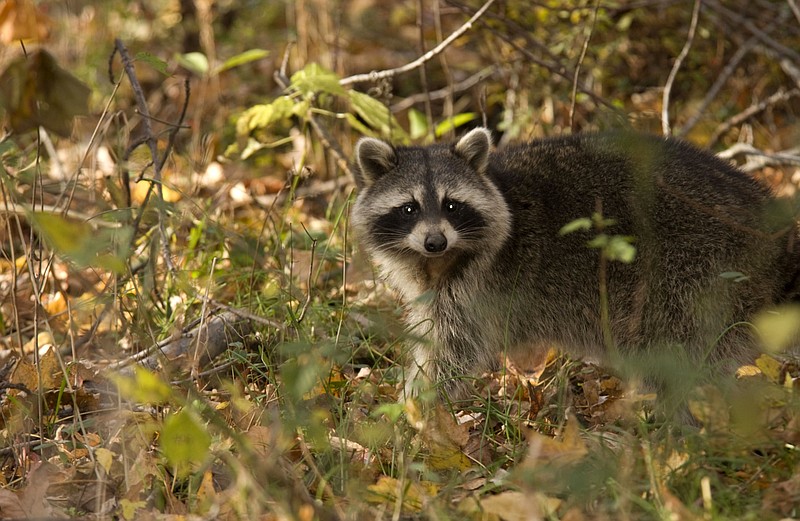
(513, 506)
(11, 506)
(782, 497)
(21, 20)
(206, 494)
(565, 450)
(26, 373)
(33, 497)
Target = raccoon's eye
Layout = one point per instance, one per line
(450, 206)
(408, 209)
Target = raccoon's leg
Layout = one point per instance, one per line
(420, 372)
(427, 371)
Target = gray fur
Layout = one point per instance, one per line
(516, 285)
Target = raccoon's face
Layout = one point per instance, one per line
(424, 203)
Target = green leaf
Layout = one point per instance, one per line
(417, 123)
(314, 79)
(735, 276)
(196, 62)
(81, 243)
(240, 59)
(453, 123)
(377, 116)
(262, 116)
(184, 441)
(153, 61)
(582, 224)
(619, 248)
(143, 387)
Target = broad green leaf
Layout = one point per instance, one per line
(241, 59)
(417, 124)
(453, 123)
(582, 224)
(262, 116)
(153, 61)
(619, 248)
(36, 92)
(313, 79)
(196, 62)
(184, 441)
(377, 116)
(143, 387)
(84, 245)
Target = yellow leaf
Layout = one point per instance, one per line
(141, 188)
(388, 490)
(129, 508)
(143, 386)
(748, 371)
(105, 458)
(770, 367)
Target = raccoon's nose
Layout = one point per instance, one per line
(435, 243)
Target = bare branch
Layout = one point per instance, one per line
(757, 159)
(795, 9)
(726, 73)
(676, 66)
(579, 64)
(438, 94)
(389, 73)
(751, 111)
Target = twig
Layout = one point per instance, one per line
(442, 93)
(554, 67)
(795, 9)
(152, 141)
(741, 52)
(389, 73)
(755, 31)
(676, 66)
(423, 73)
(310, 273)
(579, 64)
(751, 111)
(196, 359)
(757, 159)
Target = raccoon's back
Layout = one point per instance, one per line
(691, 217)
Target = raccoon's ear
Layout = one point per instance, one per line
(474, 147)
(374, 158)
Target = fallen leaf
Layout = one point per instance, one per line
(10, 505)
(105, 458)
(567, 449)
(770, 367)
(514, 506)
(388, 490)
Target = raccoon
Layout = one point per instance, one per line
(470, 238)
